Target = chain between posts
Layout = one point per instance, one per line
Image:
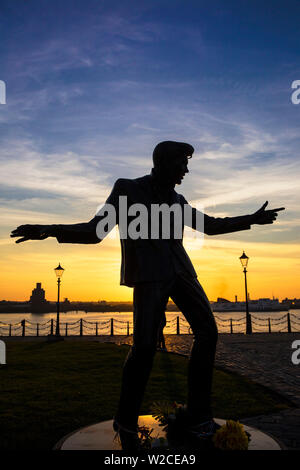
(178, 325)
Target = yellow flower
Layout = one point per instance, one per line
(231, 436)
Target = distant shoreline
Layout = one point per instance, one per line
(130, 309)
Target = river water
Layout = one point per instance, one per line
(122, 322)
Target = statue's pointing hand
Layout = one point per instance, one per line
(263, 216)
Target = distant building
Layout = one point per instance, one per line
(65, 305)
(291, 303)
(37, 301)
(259, 305)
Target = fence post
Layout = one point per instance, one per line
(231, 326)
(9, 333)
(37, 329)
(128, 328)
(269, 322)
(66, 329)
(51, 327)
(81, 327)
(111, 327)
(248, 323)
(289, 323)
(177, 326)
(96, 328)
(23, 327)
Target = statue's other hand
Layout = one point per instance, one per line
(31, 232)
(263, 216)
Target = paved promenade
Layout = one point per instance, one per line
(264, 358)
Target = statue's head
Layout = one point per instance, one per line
(170, 159)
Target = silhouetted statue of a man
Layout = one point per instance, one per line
(157, 268)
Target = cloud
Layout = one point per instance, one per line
(89, 108)
(236, 181)
(61, 186)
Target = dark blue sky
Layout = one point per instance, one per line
(92, 86)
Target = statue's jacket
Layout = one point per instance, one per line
(150, 260)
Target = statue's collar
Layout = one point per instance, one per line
(160, 182)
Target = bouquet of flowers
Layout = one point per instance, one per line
(231, 436)
(172, 416)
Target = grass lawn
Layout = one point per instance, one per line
(48, 390)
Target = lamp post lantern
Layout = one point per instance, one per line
(59, 272)
(244, 261)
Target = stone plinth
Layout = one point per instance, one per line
(100, 436)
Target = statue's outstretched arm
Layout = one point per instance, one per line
(73, 233)
(219, 225)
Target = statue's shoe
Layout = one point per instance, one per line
(129, 438)
(204, 430)
(199, 435)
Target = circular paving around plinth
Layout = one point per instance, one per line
(101, 436)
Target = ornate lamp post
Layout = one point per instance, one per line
(59, 272)
(244, 261)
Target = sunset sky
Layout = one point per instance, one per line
(93, 86)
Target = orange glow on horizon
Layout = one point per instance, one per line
(92, 272)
